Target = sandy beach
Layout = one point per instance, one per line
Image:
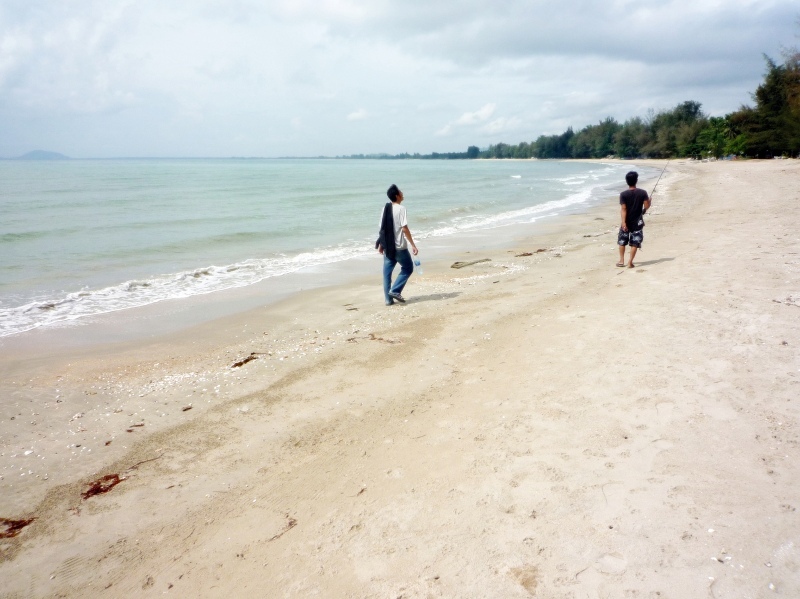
(541, 424)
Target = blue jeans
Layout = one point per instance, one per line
(406, 268)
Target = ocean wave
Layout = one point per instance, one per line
(33, 235)
(137, 293)
(522, 215)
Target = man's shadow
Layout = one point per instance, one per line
(433, 297)
(651, 262)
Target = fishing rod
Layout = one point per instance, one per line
(644, 210)
(657, 181)
(659, 178)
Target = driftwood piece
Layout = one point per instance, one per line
(290, 524)
(253, 356)
(373, 337)
(463, 264)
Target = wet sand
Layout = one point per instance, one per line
(540, 425)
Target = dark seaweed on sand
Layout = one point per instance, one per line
(12, 527)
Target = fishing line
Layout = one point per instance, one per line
(659, 179)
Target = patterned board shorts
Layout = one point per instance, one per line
(634, 238)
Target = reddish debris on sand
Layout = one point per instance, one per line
(243, 361)
(102, 485)
(290, 524)
(13, 527)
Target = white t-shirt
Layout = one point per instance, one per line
(400, 221)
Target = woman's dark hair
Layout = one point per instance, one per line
(393, 192)
(631, 178)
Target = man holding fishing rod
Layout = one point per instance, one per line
(634, 202)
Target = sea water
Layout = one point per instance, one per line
(87, 237)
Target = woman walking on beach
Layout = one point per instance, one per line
(393, 240)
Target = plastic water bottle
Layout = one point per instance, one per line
(418, 265)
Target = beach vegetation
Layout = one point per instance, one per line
(770, 128)
(664, 134)
(713, 139)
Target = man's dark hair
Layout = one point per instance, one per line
(393, 192)
(631, 178)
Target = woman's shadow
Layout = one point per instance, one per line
(433, 297)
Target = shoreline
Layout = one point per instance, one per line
(172, 314)
(507, 456)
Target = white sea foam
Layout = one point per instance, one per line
(131, 294)
(523, 215)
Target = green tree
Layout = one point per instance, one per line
(712, 140)
(674, 132)
(553, 146)
(737, 145)
(631, 138)
(775, 130)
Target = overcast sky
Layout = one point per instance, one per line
(105, 78)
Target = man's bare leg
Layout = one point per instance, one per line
(621, 256)
(633, 253)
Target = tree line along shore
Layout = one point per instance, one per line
(769, 129)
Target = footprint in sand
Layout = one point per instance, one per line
(662, 444)
(611, 563)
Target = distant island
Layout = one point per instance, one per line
(42, 155)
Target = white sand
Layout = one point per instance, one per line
(546, 426)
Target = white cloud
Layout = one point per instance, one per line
(502, 125)
(471, 118)
(357, 115)
(467, 119)
(444, 131)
